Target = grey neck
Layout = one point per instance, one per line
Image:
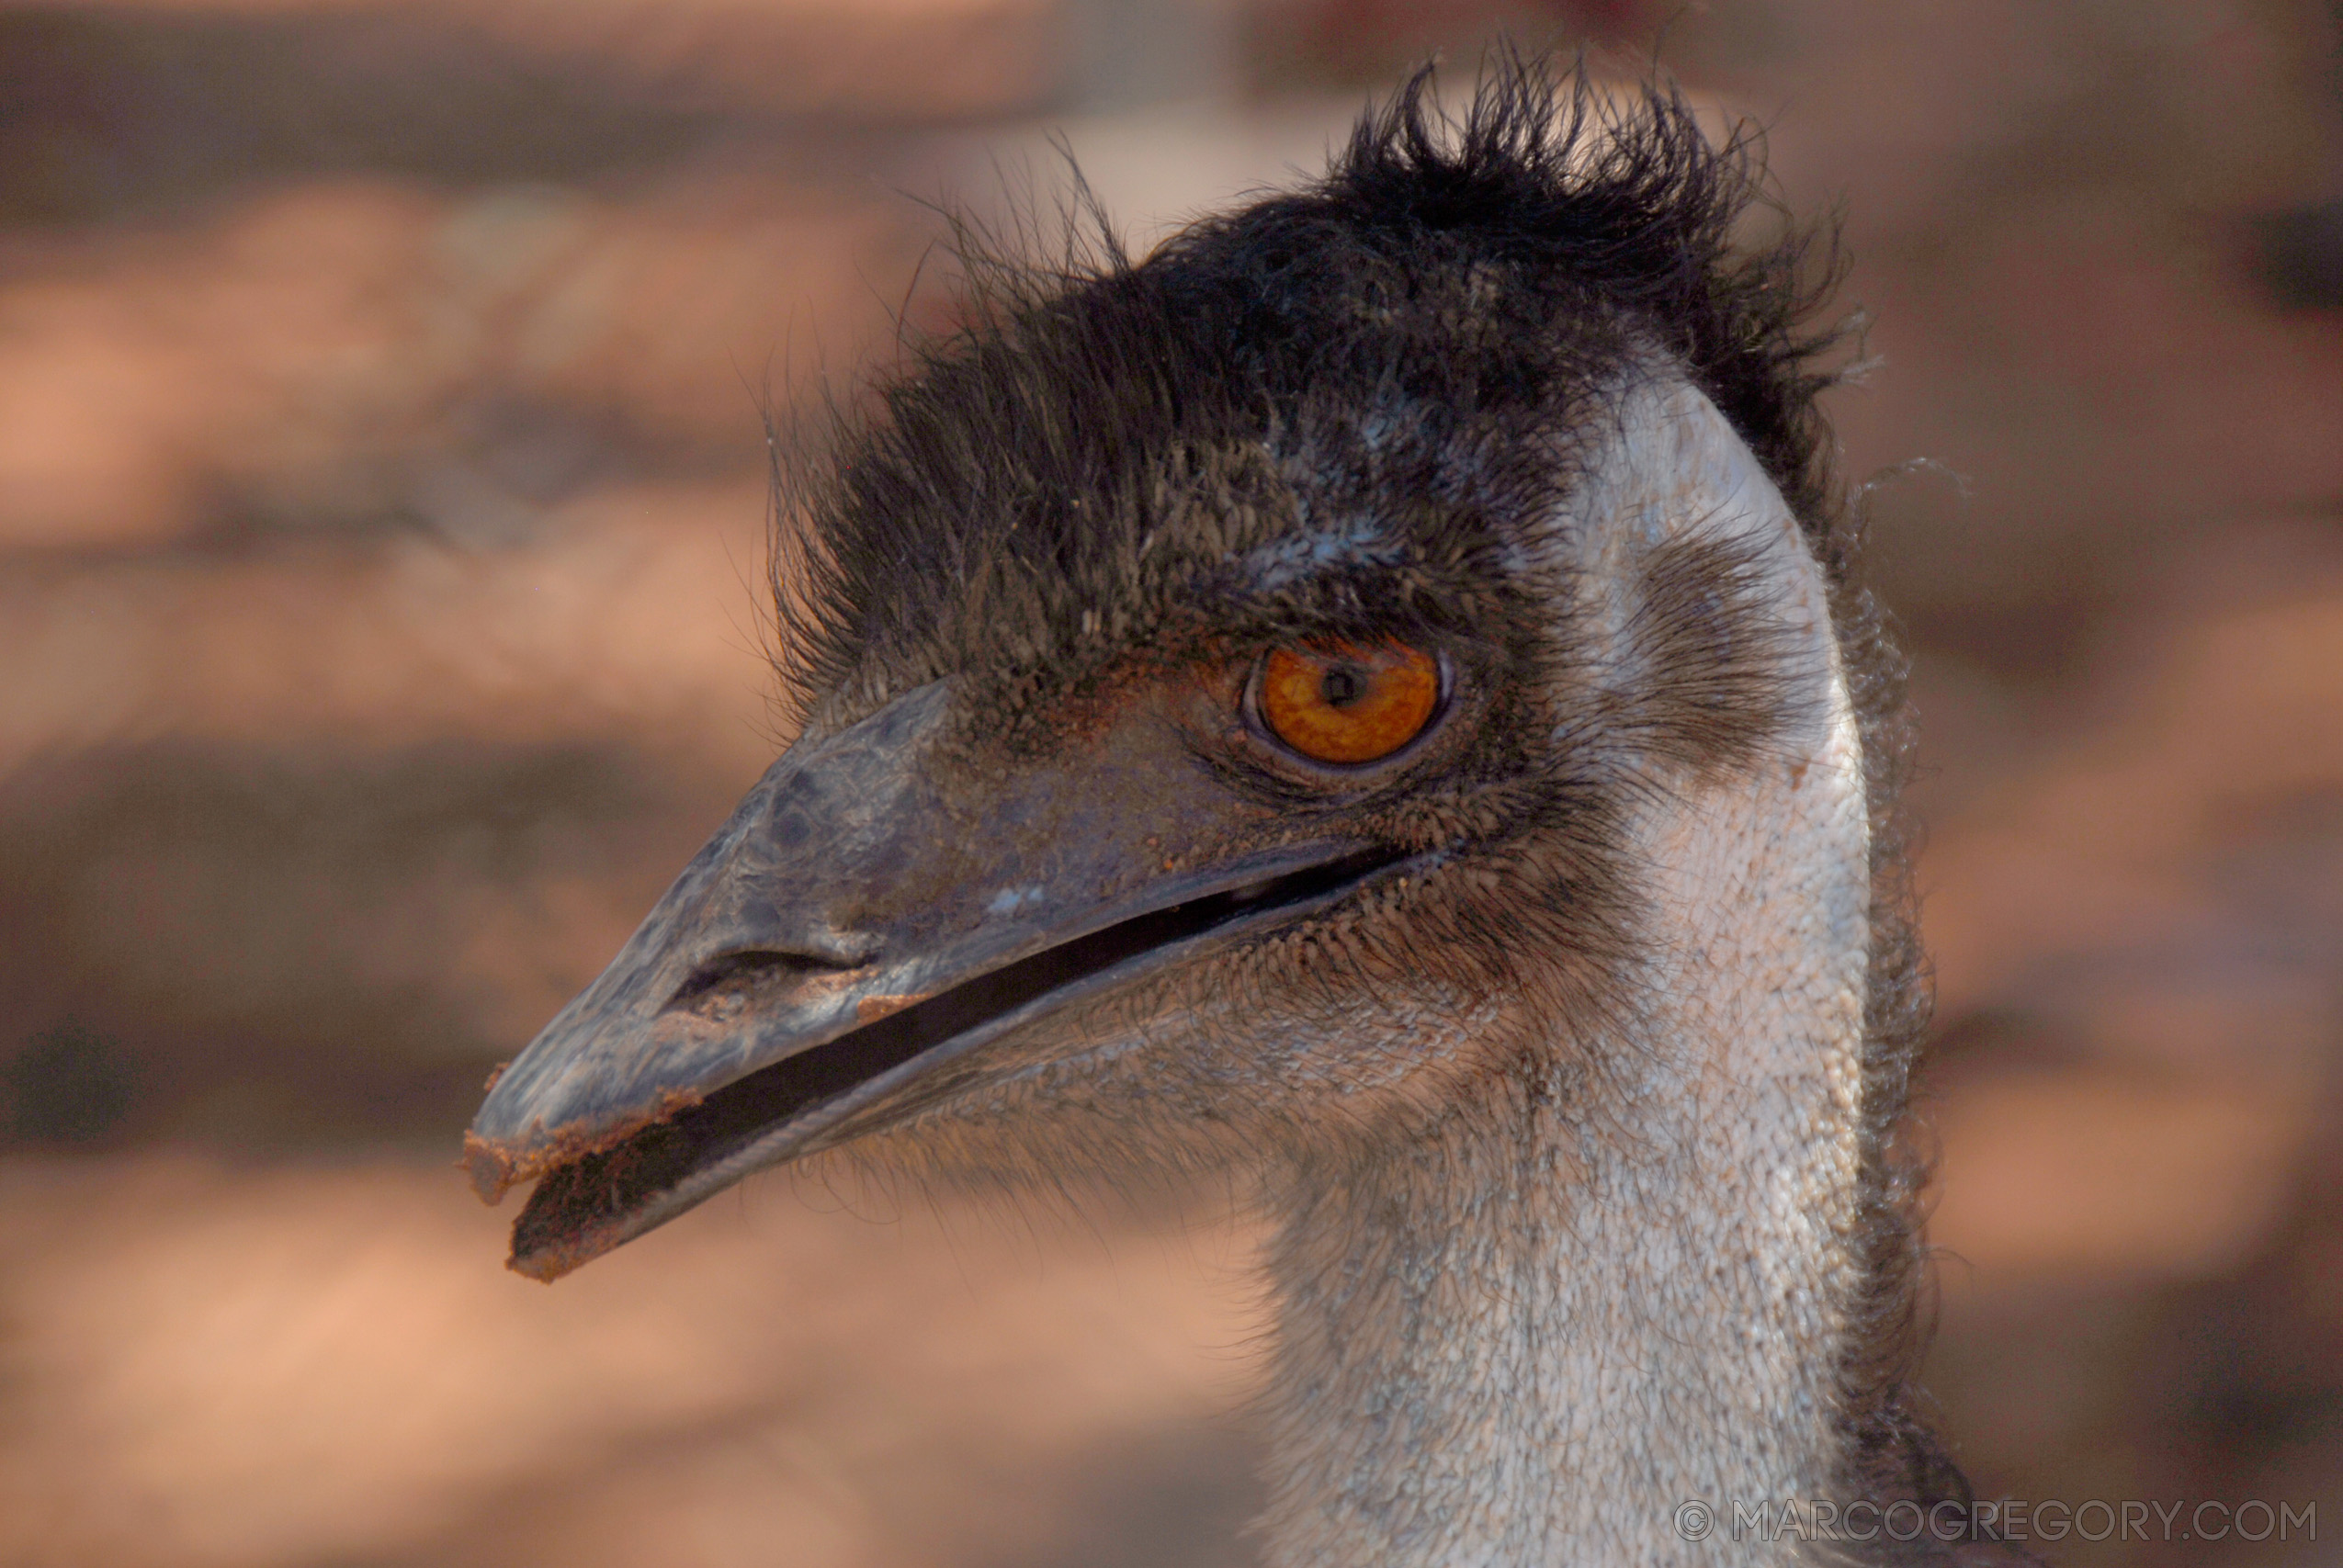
(1534, 1349)
(1619, 1282)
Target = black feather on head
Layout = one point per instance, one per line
(1404, 335)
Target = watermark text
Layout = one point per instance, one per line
(1998, 1518)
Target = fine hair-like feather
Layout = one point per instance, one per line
(1055, 484)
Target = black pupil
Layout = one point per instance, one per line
(1343, 684)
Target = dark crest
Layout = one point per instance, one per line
(1448, 274)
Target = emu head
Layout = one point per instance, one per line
(1230, 681)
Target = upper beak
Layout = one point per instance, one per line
(877, 906)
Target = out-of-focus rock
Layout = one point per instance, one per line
(139, 106)
(2099, 1172)
(323, 1363)
(2136, 935)
(417, 789)
(639, 611)
(371, 356)
(2138, 920)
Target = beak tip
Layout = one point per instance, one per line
(490, 1168)
(544, 1269)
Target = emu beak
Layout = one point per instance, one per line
(879, 906)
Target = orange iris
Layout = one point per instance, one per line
(1344, 703)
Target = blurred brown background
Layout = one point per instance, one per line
(381, 485)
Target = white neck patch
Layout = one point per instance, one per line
(1646, 1307)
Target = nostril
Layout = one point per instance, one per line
(725, 985)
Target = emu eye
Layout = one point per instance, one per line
(1343, 703)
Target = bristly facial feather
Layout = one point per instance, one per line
(1116, 460)
(1328, 414)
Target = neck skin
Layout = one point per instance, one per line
(1617, 1283)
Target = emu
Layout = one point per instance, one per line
(1379, 692)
